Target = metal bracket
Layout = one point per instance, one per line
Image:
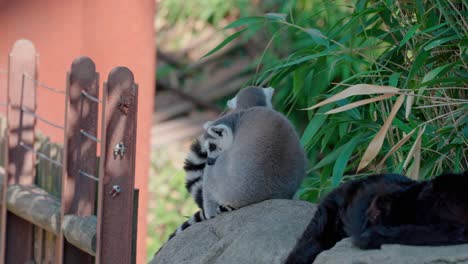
(115, 190)
(119, 150)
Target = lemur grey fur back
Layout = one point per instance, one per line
(249, 155)
(260, 158)
(197, 158)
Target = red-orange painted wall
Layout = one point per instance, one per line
(111, 32)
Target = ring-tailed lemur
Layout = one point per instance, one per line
(197, 158)
(247, 156)
(254, 155)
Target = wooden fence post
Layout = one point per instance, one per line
(117, 168)
(17, 246)
(80, 145)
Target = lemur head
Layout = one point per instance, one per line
(217, 139)
(219, 135)
(250, 97)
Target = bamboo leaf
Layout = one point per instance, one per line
(409, 34)
(418, 64)
(439, 42)
(359, 103)
(317, 36)
(433, 73)
(376, 144)
(315, 124)
(332, 156)
(393, 79)
(409, 104)
(276, 16)
(413, 148)
(358, 89)
(396, 147)
(225, 42)
(342, 161)
(414, 171)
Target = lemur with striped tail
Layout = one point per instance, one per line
(249, 155)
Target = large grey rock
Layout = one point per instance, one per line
(261, 233)
(267, 232)
(344, 252)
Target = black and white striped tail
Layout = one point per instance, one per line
(194, 165)
(199, 217)
(195, 218)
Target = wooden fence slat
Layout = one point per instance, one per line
(20, 162)
(117, 168)
(31, 216)
(38, 239)
(79, 192)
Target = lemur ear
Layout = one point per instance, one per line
(207, 125)
(218, 130)
(269, 92)
(232, 104)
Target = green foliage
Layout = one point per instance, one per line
(321, 48)
(205, 10)
(170, 204)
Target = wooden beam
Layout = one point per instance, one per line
(80, 231)
(34, 205)
(38, 207)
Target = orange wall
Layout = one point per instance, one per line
(111, 32)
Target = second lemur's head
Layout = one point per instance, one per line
(217, 139)
(219, 135)
(250, 97)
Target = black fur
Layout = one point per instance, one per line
(189, 183)
(199, 198)
(190, 165)
(388, 209)
(197, 149)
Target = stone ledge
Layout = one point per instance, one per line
(266, 232)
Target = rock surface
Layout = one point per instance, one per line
(261, 233)
(344, 252)
(266, 232)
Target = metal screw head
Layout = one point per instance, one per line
(119, 150)
(115, 190)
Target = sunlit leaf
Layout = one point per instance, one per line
(376, 144)
(359, 103)
(317, 36)
(276, 16)
(358, 89)
(396, 147)
(439, 42)
(435, 72)
(409, 104)
(414, 148)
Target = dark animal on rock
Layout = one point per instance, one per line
(388, 209)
